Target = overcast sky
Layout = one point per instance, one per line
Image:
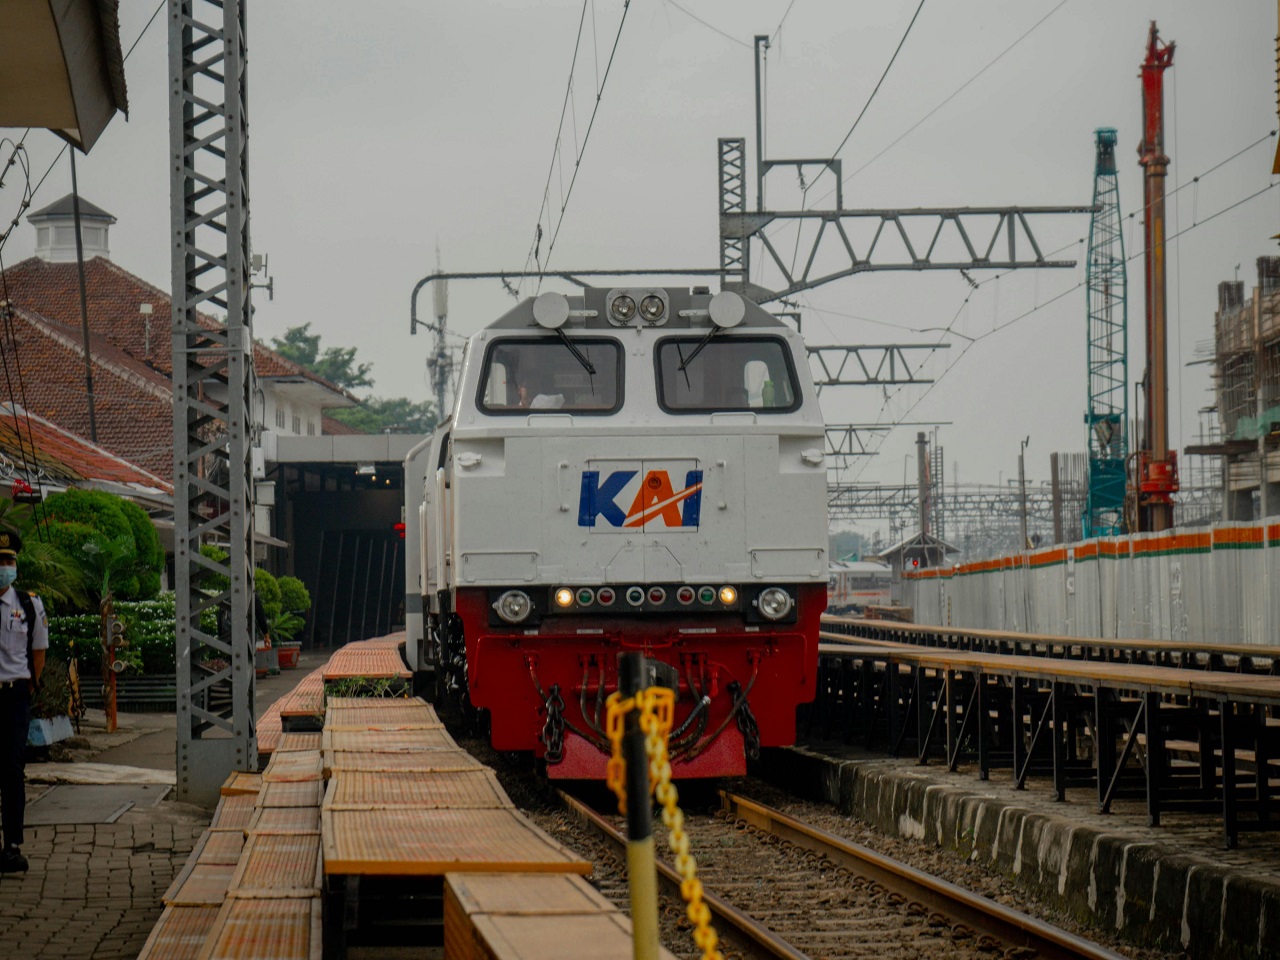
(381, 129)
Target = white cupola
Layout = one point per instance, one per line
(56, 231)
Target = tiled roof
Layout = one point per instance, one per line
(334, 427)
(113, 296)
(133, 404)
(64, 458)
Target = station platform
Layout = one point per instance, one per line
(95, 883)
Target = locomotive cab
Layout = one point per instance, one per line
(628, 469)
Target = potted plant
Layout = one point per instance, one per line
(50, 707)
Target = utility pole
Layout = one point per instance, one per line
(438, 363)
(1022, 488)
(922, 481)
(84, 307)
(1055, 486)
(1158, 465)
(761, 47)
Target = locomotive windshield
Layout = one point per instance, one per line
(728, 373)
(528, 375)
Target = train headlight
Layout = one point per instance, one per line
(652, 308)
(622, 309)
(728, 595)
(514, 606)
(774, 603)
(564, 597)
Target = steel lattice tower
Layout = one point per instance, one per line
(1107, 416)
(213, 391)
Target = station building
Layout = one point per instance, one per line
(324, 488)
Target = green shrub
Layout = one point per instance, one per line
(294, 596)
(149, 631)
(268, 589)
(109, 518)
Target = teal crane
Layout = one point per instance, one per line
(1108, 358)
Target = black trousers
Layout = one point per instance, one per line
(15, 712)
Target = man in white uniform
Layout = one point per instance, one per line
(24, 637)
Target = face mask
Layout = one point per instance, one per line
(7, 576)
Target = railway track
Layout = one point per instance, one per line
(780, 888)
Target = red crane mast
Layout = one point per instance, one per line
(1157, 464)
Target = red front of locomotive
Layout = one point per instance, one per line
(739, 674)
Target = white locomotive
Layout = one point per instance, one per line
(624, 469)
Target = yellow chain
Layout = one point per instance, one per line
(657, 710)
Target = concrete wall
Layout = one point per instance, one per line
(1219, 584)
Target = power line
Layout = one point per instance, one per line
(133, 46)
(906, 33)
(711, 26)
(1022, 316)
(955, 93)
(555, 149)
(577, 164)
(778, 29)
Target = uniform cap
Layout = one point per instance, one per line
(10, 543)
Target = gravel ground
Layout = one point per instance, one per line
(819, 907)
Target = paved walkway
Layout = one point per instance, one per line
(93, 891)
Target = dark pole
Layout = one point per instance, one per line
(84, 305)
(641, 873)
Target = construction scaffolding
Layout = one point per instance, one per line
(1247, 390)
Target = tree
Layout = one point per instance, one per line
(390, 415)
(110, 518)
(337, 364)
(42, 568)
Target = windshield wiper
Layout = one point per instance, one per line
(685, 361)
(586, 364)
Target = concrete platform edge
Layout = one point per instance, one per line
(1151, 894)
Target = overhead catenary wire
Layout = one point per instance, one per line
(710, 26)
(534, 253)
(889, 66)
(997, 328)
(581, 152)
(49, 169)
(778, 29)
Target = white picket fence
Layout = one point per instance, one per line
(1213, 585)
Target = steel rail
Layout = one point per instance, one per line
(983, 915)
(734, 927)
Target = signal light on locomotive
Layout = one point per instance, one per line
(623, 308)
(564, 597)
(605, 596)
(652, 308)
(685, 595)
(657, 595)
(707, 595)
(585, 596)
(514, 606)
(635, 596)
(774, 603)
(728, 595)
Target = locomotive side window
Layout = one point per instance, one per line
(730, 373)
(527, 375)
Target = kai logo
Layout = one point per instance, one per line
(642, 498)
